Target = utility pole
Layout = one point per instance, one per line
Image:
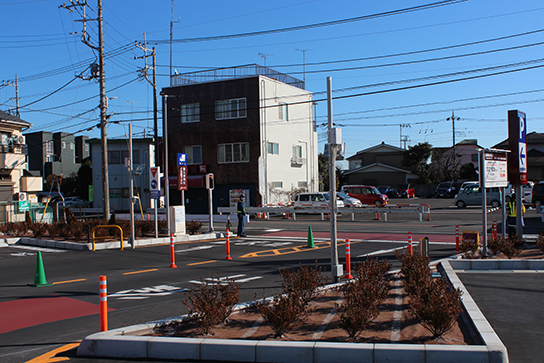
(143, 73)
(453, 119)
(16, 85)
(98, 71)
(171, 41)
(130, 167)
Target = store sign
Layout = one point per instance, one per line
(182, 177)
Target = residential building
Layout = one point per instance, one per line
(57, 153)
(250, 126)
(535, 155)
(17, 186)
(378, 165)
(143, 156)
(466, 152)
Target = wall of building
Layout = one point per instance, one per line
(295, 130)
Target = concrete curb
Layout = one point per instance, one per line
(125, 342)
(67, 245)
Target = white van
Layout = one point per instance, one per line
(315, 200)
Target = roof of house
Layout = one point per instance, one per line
(376, 147)
(13, 120)
(373, 167)
(531, 138)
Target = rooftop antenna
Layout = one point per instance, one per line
(265, 57)
(303, 62)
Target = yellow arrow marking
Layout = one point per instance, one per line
(50, 356)
(286, 250)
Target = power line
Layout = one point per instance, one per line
(313, 26)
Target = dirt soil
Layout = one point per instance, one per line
(248, 324)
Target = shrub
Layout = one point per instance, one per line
(70, 217)
(494, 244)
(304, 282)
(363, 296)
(282, 313)
(540, 241)
(146, 226)
(38, 229)
(436, 306)
(211, 303)
(469, 248)
(54, 229)
(511, 246)
(78, 231)
(414, 271)
(193, 227)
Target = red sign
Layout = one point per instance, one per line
(182, 177)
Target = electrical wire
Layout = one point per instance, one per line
(312, 26)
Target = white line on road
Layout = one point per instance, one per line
(42, 249)
(198, 248)
(381, 252)
(397, 315)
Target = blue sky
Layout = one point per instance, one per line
(425, 51)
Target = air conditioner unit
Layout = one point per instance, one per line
(20, 197)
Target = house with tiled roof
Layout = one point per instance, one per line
(535, 154)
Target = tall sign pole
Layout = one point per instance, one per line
(335, 267)
(165, 147)
(517, 161)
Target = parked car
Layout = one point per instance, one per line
(446, 189)
(388, 190)
(538, 194)
(526, 192)
(366, 194)
(468, 183)
(349, 201)
(315, 200)
(472, 195)
(75, 202)
(406, 191)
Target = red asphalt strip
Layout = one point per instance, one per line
(23, 313)
(366, 236)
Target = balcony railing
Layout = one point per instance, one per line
(11, 156)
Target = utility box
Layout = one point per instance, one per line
(177, 219)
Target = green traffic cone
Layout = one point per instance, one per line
(310, 243)
(39, 276)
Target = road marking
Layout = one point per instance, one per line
(263, 243)
(286, 250)
(147, 292)
(22, 254)
(66, 282)
(50, 356)
(272, 230)
(42, 249)
(235, 278)
(201, 263)
(319, 332)
(380, 252)
(198, 248)
(139, 272)
(397, 315)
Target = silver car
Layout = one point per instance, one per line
(472, 195)
(349, 201)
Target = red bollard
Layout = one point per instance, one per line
(228, 247)
(172, 255)
(410, 248)
(457, 239)
(348, 261)
(103, 303)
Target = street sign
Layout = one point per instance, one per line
(496, 169)
(182, 177)
(154, 186)
(182, 159)
(517, 159)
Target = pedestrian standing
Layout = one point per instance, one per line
(512, 214)
(241, 209)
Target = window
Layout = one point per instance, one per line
(226, 109)
(277, 184)
(71, 146)
(114, 157)
(273, 148)
(233, 153)
(49, 148)
(282, 112)
(64, 144)
(297, 151)
(48, 158)
(4, 138)
(474, 157)
(303, 184)
(194, 154)
(190, 113)
(135, 156)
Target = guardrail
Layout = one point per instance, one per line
(385, 210)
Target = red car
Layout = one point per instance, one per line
(406, 191)
(366, 194)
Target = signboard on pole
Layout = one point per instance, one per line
(182, 159)
(496, 169)
(517, 160)
(182, 177)
(154, 186)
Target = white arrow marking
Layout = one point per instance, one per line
(198, 248)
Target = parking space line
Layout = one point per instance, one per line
(201, 263)
(139, 272)
(68, 281)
